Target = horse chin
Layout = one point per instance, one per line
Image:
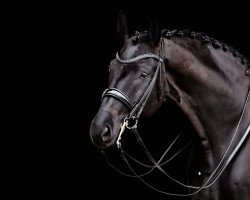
(107, 145)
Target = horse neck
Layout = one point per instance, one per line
(210, 86)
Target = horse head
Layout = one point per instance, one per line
(130, 79)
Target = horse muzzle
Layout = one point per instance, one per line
(104, 130)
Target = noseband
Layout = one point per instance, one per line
(137, 108)
(119, 95)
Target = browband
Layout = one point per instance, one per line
(140, 57)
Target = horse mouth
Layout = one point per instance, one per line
(104, 136)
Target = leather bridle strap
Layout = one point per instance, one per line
(117, 94)
(137, 58)
(138, 108)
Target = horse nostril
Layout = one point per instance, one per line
(106, 134)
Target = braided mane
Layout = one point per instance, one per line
(205, 40)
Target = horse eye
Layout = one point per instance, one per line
(144, 74)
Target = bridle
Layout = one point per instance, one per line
(130, 122)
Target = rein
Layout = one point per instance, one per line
(130, 122)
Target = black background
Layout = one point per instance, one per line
(77, 43)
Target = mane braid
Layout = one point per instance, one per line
(206, 40)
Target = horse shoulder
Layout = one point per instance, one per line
(239, 174)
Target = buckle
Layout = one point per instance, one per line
(131, 122)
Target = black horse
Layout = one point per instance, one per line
(210, 84)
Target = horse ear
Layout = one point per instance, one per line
(122, 26)
(154, 31)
